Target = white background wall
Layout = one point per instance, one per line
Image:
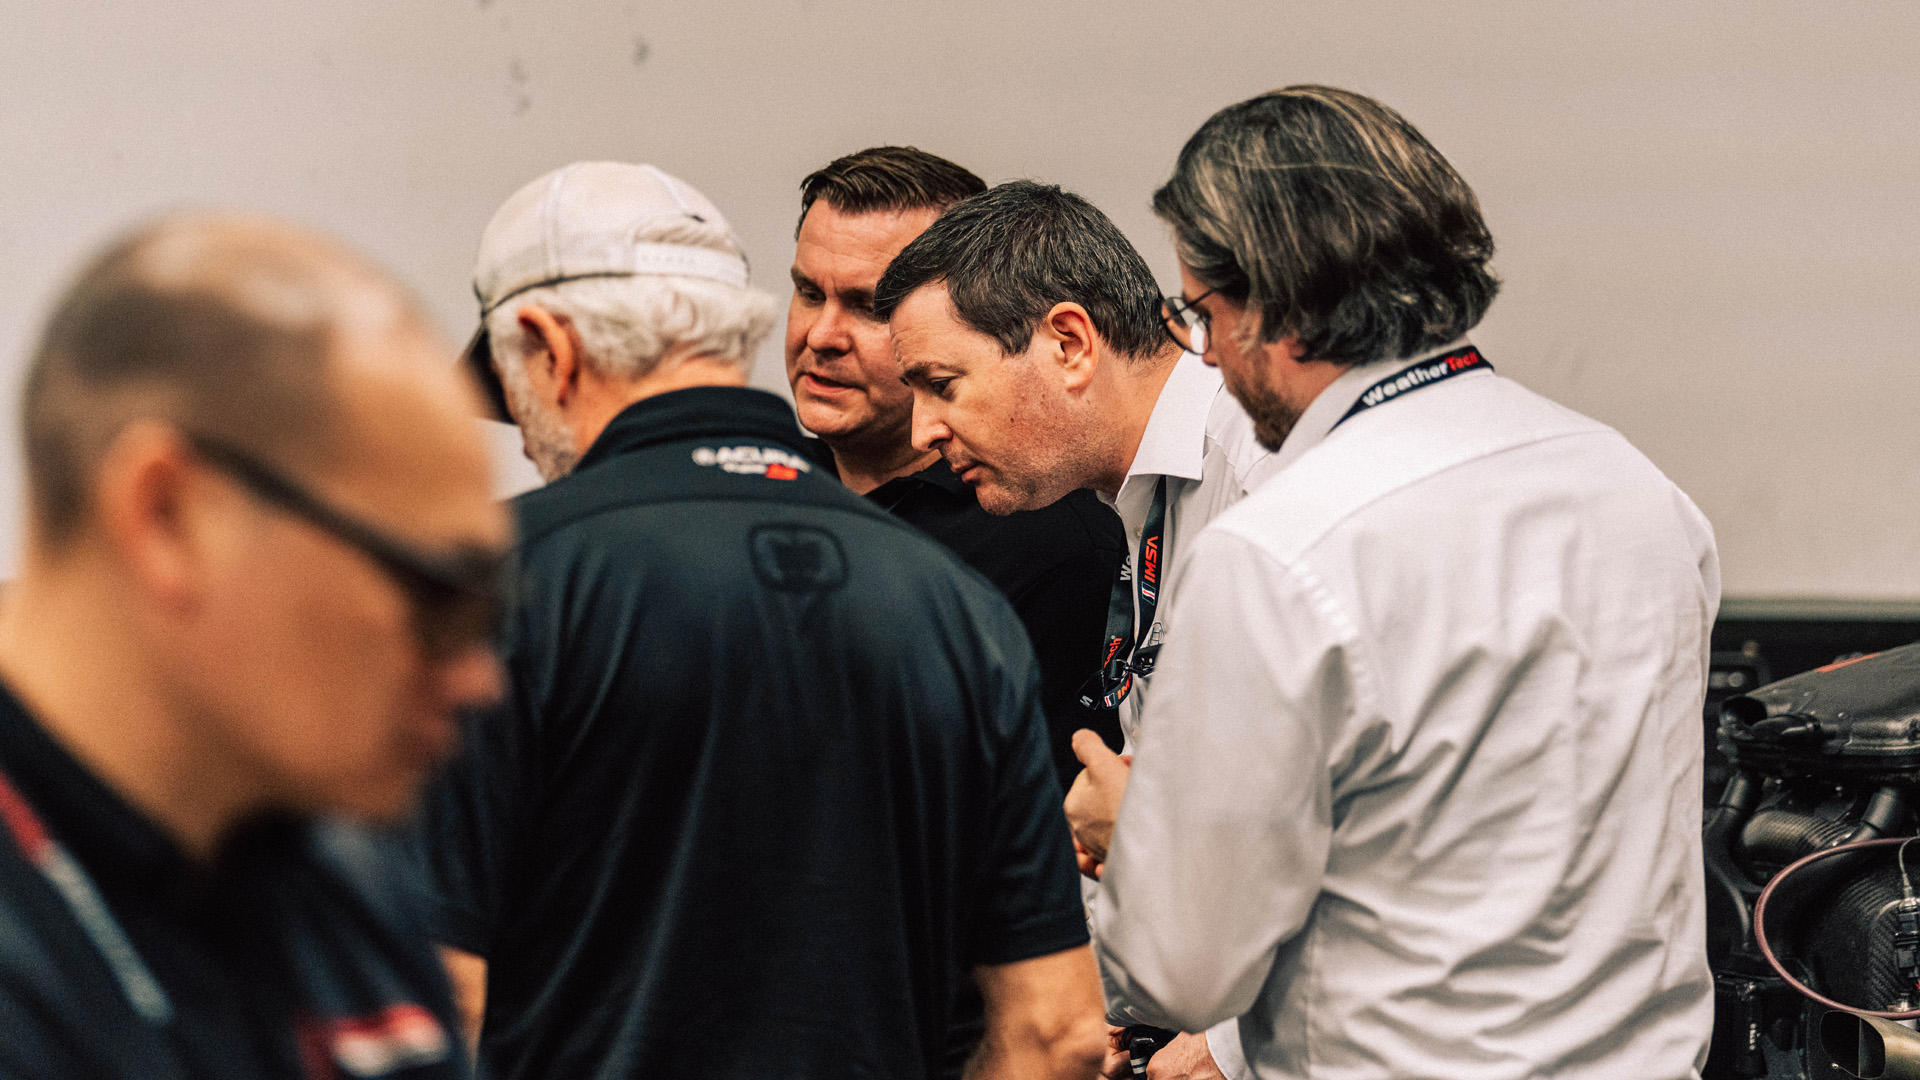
(1706, 211)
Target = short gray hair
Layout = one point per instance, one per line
(1335, 221)
(628, 324)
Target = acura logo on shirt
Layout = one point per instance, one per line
(768, 461)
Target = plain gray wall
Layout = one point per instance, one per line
(1705, 211)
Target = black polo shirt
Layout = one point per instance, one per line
(1056, 566)
(292, 956)
(772, 776)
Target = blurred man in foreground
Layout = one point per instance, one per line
(260, 574)
(772, 780)
(1418, 790)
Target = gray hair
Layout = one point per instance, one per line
(628, 324)
(1334, 221)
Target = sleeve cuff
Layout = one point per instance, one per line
(1223, 1042)
(1069, 931)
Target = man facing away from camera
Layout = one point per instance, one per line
(261, 572)
(1056, 563)
(1418, 789)
(771, 778)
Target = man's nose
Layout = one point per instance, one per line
(831, 332)
(929, 429)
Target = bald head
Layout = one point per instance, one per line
(264, 566)
(223, 325)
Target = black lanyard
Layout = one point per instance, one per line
(89, 908)
(1106, 687)
(1421, 375)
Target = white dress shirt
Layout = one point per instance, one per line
(1202, 441)
(1417, 794)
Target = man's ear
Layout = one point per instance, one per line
(1288, 348)
(1076, 345)
(556, 364)
(146, 498)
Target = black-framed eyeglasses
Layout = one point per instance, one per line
(1186, 322)
(457, 597)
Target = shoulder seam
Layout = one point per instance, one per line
(528, 538)
(1326, 528)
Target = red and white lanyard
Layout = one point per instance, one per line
(83, 898)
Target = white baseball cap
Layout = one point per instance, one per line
(582, 221)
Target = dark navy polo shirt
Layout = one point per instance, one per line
(771, 778)
(1055, 565)
(293, 955)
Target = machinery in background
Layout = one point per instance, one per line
(1758, 640)
(1811, 922)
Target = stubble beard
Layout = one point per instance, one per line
(1065, 460)
(549, 444)
(1001, 497)
(1273, 417)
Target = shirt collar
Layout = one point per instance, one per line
(1175, 441)
(940, 475)
(118, 845)
(102, 830)
(1326, 410)
(732, 411)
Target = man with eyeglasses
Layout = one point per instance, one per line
(771, 780)
(262, 571)
(1418, 790)
(1042, 360)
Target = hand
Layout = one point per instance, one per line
(1094, 800)
(1118, 1064)
(1185, 1058)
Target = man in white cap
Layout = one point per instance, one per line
(771, 777)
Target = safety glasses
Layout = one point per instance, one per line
(457, 597)
(1186, 323)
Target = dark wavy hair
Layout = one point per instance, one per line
(1334, 221)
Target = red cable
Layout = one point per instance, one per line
(1766, 950)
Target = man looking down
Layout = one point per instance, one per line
(1055, 563)
(1032, 335)
(261, 573)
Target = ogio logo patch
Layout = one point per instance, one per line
(797, 558)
